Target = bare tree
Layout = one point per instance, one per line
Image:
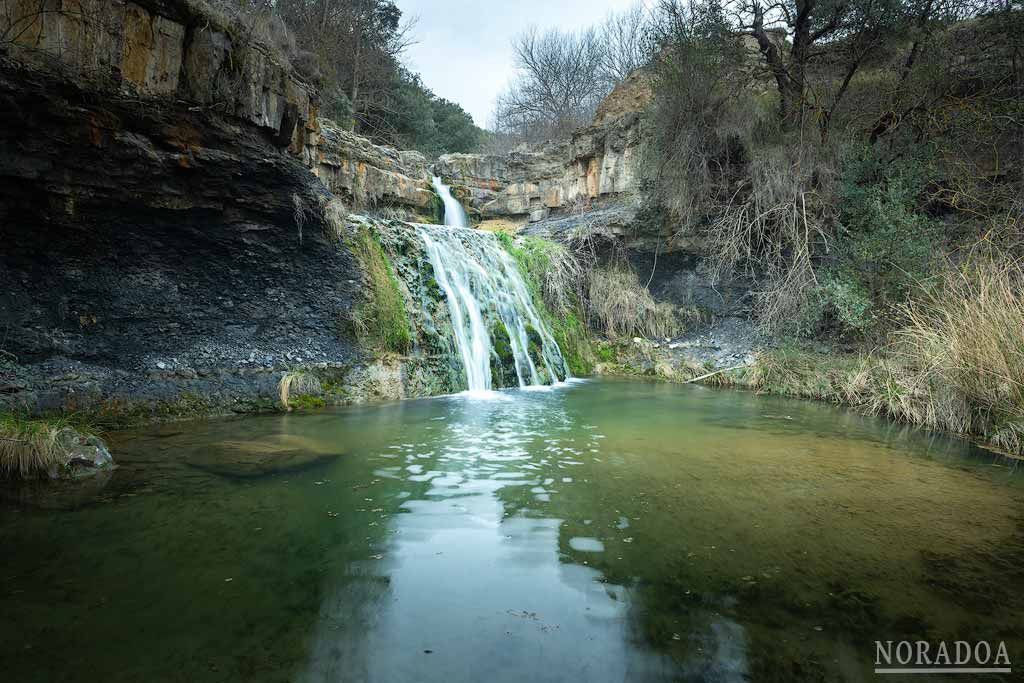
(628, 43)
(559, 85)
(359, 44)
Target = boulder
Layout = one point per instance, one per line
(81, 455)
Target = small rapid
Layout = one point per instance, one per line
(454, 214)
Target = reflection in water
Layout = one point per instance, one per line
(474, 594)
(603, 531)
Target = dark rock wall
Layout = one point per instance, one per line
(149, 250)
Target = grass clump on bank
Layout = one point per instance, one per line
(956, 364)
(34, 448)
(380, 320)
(300, 390)
(960, 357)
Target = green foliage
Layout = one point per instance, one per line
(885, 246)
(337, 106)
(606, 353)
(430, 124)
(380, 320)
(841, 299)
(889, 240)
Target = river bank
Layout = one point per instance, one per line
(873, 381)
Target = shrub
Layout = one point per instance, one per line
(885, 240)
(839, 303)
(880, 251)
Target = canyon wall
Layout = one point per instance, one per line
(600, 160)
(165, 181)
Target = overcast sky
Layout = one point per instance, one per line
(463, 51)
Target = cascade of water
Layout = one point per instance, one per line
(500, 335)
(454, 214)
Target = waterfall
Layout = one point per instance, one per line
(501, 337)
(454, 214)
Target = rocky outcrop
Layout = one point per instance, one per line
(364, 174)
(167, 48)
(167, 244)
(181, 49)
(153, 250)
(79, 455)
(599, 161)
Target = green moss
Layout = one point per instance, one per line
(380, 321)
(503, 362)
(305, 402)
(436, 208)
(574, 340)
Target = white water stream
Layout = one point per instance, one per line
(492, 312)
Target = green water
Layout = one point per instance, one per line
(606, 531)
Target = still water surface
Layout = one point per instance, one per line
(605, 531)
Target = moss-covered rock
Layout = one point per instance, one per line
(503, 362)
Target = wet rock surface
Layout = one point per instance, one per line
(83, 455)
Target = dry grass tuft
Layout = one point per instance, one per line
(961, 356)
(957, 365)
(297, 384)
(32, 448)
(622, 307)
(28, 448)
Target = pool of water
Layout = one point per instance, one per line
(604, 531)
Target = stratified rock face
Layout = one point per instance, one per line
(163, 236)
(364, 174)
(150, 250)
(175, 49)
(598, 161)
(167, 48)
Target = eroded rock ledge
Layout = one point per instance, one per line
(599, 161)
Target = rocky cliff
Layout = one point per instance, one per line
(364, 174)
(599, 161)
(164, 191)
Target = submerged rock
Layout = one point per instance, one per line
(81, 455)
